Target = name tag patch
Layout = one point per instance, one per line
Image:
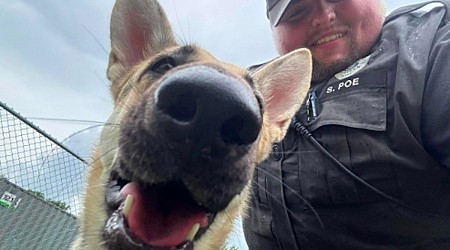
(375, 79)
(343, 85)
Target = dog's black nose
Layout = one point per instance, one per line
(202, 105)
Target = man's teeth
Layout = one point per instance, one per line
(190, 236)
(127, 206)
(329, 38)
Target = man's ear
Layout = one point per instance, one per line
(283, 84)
(139, 29)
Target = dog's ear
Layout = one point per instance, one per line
(139, 29)
(283, 84)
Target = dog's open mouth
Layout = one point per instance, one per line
(156, 217)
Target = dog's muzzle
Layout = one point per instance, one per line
(184, 155)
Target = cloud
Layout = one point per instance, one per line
(233, 31)
(53, 59)
(50, 66)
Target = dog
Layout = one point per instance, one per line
(174, 163)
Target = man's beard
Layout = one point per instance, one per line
(323, 71)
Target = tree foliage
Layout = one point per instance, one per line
(58, 204)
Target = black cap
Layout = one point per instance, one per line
(275, 10)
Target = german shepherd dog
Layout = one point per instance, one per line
(172, 169)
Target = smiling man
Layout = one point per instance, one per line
(379, 108)
(337, 32)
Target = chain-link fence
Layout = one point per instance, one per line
(40, 186)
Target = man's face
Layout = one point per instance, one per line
(338, 32)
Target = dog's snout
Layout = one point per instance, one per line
(208, 107)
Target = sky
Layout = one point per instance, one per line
(53, 54)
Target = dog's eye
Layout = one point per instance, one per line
(163, 65)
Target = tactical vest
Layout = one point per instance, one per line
(368, 117)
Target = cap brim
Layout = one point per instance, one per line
(277, 11)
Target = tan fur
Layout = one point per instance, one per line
(282, 84)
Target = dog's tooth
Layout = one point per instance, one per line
(193, 232)
(127, 205)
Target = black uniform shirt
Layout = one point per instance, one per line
(387, 119)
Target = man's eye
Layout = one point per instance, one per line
(295, 15)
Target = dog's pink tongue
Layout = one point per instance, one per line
(163, 227)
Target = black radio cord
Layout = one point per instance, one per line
(301, 129)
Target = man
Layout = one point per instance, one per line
(379, 105)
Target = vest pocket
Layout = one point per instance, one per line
(363, 109)
(350, 126)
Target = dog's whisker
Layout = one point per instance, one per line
(306, 202)
(95, 160)
(98, 185)
(181, 37)
(229, 218)
(292, 213)
(136, 90)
